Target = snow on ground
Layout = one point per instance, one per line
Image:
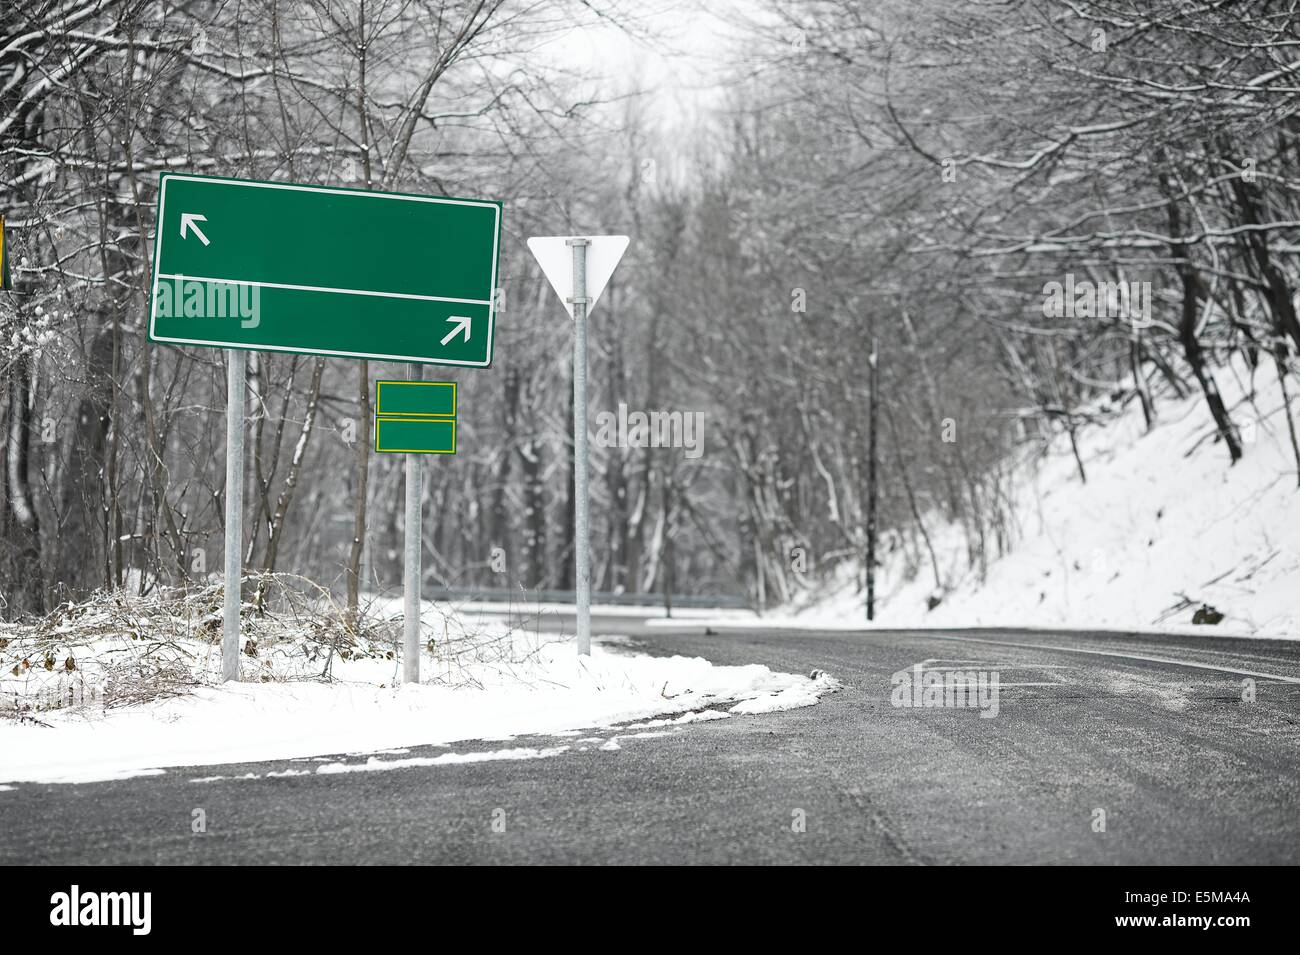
(485, 684)
(1163, 525)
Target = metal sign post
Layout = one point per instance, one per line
(581, 537)
(579, 268)
(411, 583)
(236, 373)
(414, 418)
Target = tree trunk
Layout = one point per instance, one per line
(275, 525)
(24, 520)
(1187, 327)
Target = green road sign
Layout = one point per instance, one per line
(415, 435)
(416, 398)
(324, 271)
(415, 417)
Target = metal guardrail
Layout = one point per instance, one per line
(503, 595)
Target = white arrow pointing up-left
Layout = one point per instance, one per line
(190, 223)
(462, 325)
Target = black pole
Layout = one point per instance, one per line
(669, 555)
(871, 481)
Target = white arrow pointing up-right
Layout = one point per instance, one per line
(462, 325)
(190, 223)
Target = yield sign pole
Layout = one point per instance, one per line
(236, 370)
(581, 537)
(579, 268)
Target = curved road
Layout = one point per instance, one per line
(1151, 731)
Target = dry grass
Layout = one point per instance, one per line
(117, 649)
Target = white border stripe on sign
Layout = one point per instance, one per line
(323, 288)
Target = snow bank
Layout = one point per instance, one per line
(538, 689)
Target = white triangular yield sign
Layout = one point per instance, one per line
(555, 256)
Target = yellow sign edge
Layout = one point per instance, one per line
(379, 391)
(455, 438)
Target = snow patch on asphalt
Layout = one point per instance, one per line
(789, 698)
(1169, 697)
(374, 765)
(698, 716)
(614, 743)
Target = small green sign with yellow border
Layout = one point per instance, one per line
(415, 417)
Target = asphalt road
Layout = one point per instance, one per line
(1152, 730)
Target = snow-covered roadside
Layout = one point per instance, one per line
(1162, 526)
(552, 692)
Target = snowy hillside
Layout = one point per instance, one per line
(1163, 525)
